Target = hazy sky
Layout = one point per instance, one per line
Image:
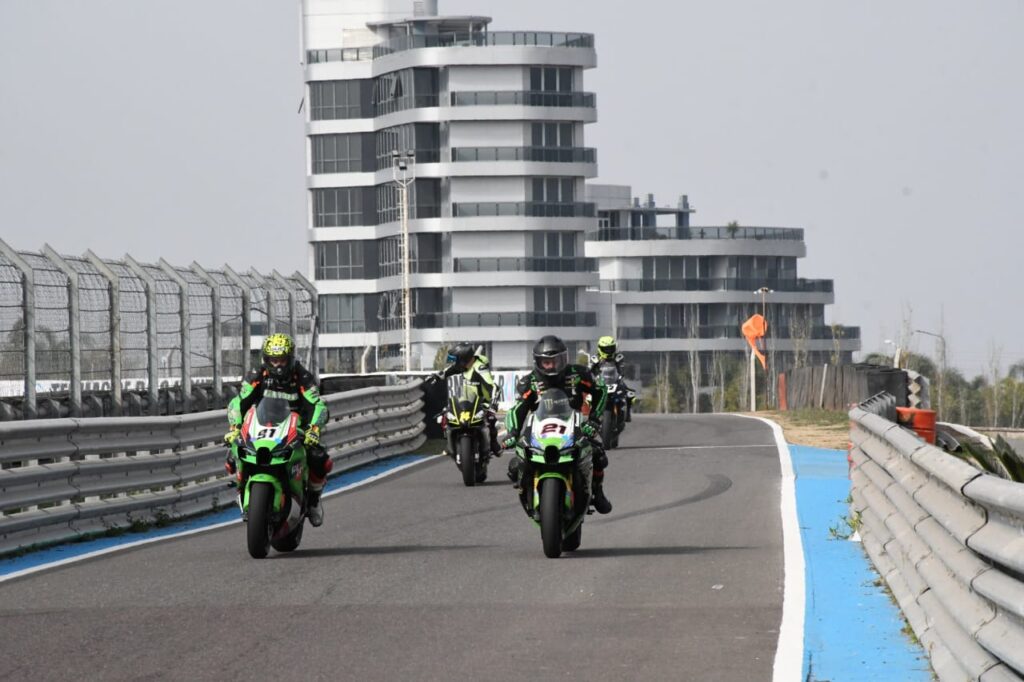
(893, 131)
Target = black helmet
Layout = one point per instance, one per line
(550, 356)
(462, 355)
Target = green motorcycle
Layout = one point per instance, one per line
(557, 469)
(272, 477)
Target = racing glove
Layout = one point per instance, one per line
(590, 429)
(509, 440)
(312, 436)
(233, 436)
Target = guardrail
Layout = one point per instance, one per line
(65, 478)
(948, 540)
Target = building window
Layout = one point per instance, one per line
(340, 360)
(554, 299)
(342, 313)
(337, 153)
(424, 201)
(405, 89)
(554, 190)
(554, 244)
(339, 260)
(422, 138)
(551, 134)
(424, 255)
(329, 100)
(551, 79)
(337, 207)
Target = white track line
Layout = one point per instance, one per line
(789, 655)
(194, 531)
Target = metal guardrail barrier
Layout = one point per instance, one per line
(65, 478)
(947, 539)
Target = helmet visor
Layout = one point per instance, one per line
(552, 364)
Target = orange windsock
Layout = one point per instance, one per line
(753, 329)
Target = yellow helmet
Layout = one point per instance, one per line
(606, 347)
(279, 355)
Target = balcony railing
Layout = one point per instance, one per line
(480, 39)
(822, 286)
(527, 209)
(405, 102)
(342, 54)
(539, 154)
(485, 39)
(528, 264)
(421, 266)
(511, 319)
(732, 331)
(614, 234)
(525, 98)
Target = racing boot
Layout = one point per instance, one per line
(601, 503)
(314, 509)
(514, 472)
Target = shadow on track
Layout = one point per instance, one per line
(369, 551)
(645, 551)
(717, 484)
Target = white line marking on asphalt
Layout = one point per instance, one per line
(700, 447)
(789, 655)
(195, 531)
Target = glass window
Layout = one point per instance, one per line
(339, 260)
(342, 313)
(334, 100)
(337, 153)
(551, 79)
(337, 207)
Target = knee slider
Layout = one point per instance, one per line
(320, 463)
(600, 460)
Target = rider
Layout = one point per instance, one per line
(463, 359)
(606, 353)
(552, 370)
(282, 376)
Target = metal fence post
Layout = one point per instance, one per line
(74, 327)
(293, 321)
(314, 343)
(218, 343)
(186, 338)
(28, 290)
(246, 316)
(152, 339)
(115, 327)
(271, 313)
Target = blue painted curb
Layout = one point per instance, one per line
(852, 630)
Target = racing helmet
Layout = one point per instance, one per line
(606, 347)
(550, 356)
(278, 355)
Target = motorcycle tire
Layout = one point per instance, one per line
(552, 494)
(572, 541)
(290, 542)
(258, 530)
(608, 431)
(467, 462)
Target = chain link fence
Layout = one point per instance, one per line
(82, 336)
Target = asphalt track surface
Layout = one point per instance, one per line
(417, 577)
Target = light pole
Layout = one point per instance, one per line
(763, 291)
(403, 169)
(942, 363)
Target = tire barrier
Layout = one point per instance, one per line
(66, 478)
(947, 539)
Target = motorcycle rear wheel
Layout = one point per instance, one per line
(290, 542)
(467, 463)
(552, 494)
(258, 531)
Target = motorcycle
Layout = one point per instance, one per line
(614, 419)
(272, 477)
(557, 471)
(465, 426)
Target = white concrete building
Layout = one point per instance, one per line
(667, 286)
(497, 215)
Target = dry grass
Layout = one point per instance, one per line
(815, 428)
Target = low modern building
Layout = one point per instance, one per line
(489, 126)
(667, 286)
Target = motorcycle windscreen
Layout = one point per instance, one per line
(553, 404)
(609, 374)
(273, 411)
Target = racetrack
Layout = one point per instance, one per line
(417, 577)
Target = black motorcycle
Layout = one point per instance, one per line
(465, 426)
(613, 421)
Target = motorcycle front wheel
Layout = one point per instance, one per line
(258, 531)
(572, 541)
(552, 494)
(467, 462)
